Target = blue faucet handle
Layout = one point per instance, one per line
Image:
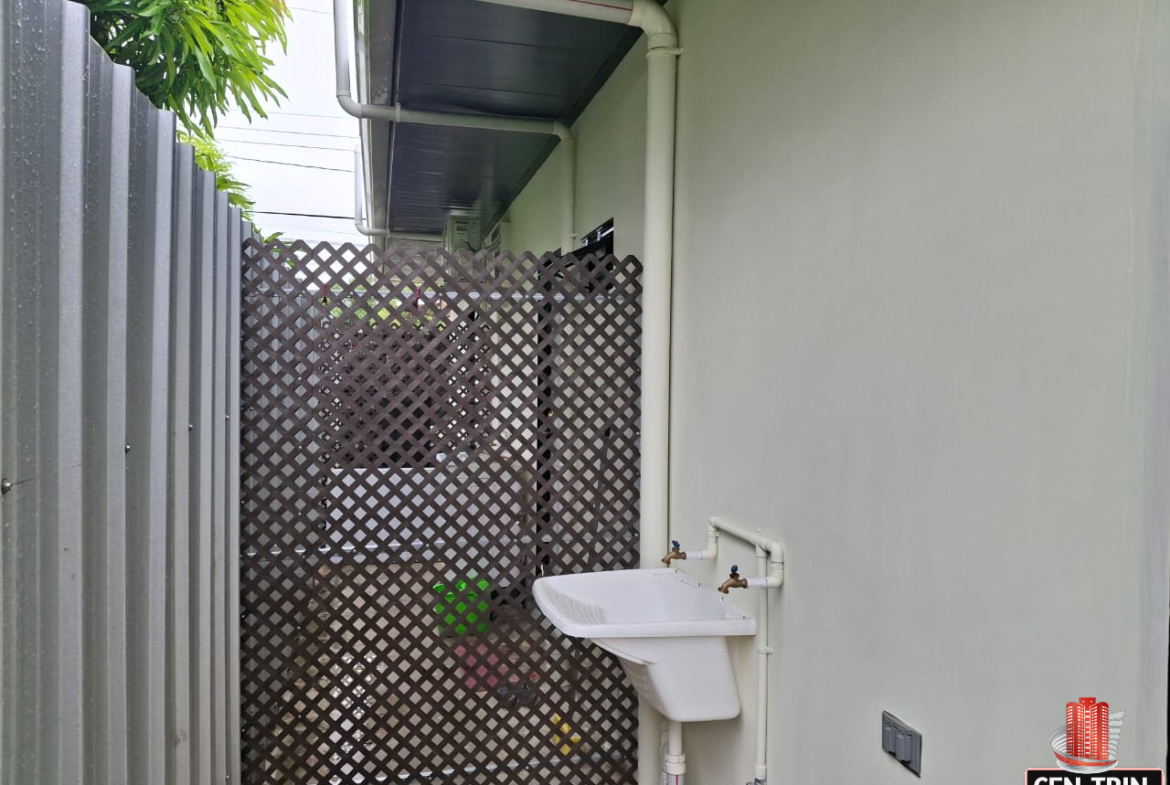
(675, 543)
(735, 568)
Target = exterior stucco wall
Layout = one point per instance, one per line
(611, 157)
(920, 337)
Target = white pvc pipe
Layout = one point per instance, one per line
(769, 575)
(674, 763)
(359, 205)
(657, 255)
(568, 194)
(359, 199)
(763, 651)
(657, 259)
(712, 549)
(756, 538)
(396, 114)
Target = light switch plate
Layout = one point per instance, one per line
(903, 742)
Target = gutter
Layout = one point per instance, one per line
(396, 114)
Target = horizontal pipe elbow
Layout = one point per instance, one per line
(562, 131)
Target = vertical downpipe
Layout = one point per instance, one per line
(762, 652)
(656, 305)
(568, 147)
(657, 253)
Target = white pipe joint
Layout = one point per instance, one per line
(661, 35)
(771, 549)
(712, 549)
(674, 762)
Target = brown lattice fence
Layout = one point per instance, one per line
(423, 435)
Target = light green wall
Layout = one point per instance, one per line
(611, 155)
(535, 214)
(920, 336)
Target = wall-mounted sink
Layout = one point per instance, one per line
(667, 629)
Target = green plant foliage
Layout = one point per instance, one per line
(211, 158)
(196, 58)
(378, 311)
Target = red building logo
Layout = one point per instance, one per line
(1088, 741)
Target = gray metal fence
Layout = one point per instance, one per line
(119, 387)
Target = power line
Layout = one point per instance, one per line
(314, 229)
(286, 163)
(302, 215)
(308, 231)
(286, 144)
(310, 10)
(276, 131)
(309, 114)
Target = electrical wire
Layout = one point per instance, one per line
(351, 137)
(310, 114)
(286, 144)
(287, 163)
(302, 215)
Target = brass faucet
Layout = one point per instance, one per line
(675, 553)
(734, 582)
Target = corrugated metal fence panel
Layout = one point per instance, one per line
(145, 437)
(178, 466)
(119, 392)
(232, 501)
(219, 537)
(202, 254)
(104, 369)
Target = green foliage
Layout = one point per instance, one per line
(211, 158)
(378, 311)
(196, 58)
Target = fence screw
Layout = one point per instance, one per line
(5, 485)
(190, 426)
(127, 446)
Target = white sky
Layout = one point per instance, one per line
(308, 118)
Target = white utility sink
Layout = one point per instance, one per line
(667, 629)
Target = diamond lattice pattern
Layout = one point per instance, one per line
(423, 435)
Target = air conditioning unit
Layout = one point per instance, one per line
(462, 233)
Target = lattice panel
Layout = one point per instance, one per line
(423, 435)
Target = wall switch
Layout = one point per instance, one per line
(903, 742)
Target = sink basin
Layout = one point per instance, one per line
(667, 630)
